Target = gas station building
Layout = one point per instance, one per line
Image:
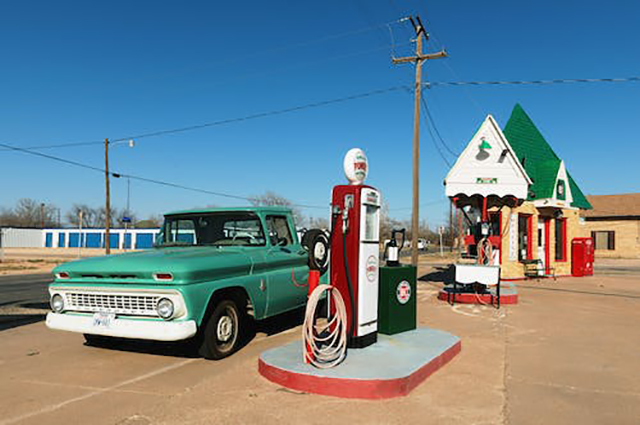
(532, 201)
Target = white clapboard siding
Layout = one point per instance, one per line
(487, 172)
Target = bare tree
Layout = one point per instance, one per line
(387, 223)
(271, 198)
(319, 223)
(89, 215)
(150, 222)
(95, 217)
(29, 213)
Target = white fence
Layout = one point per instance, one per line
(74, 238)
(21, 238)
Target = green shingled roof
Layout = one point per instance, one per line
(540, 161)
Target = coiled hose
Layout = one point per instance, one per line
(325, 346)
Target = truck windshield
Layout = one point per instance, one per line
(223, 228)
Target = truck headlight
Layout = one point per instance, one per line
(165, 308)
(57, 303)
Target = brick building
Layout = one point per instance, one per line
(614, 225)
(533, 201)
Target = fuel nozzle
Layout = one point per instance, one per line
(348, 204)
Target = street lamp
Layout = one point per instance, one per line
(126, 219)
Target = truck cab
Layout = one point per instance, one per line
(209, 271)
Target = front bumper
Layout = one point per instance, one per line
(156, 330)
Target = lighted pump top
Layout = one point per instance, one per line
(356, 166)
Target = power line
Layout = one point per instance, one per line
(233, 120)
(440, 201)
(435, 128)
(269, 51)
(140, 178)
(532, 82)
(167, 183)
(433, 139)
(344, 99)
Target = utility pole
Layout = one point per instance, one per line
(417, 59)
(107, 203)
(42, 215)
(80, 215)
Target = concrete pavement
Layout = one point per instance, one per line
(568, 353)
(23, 299)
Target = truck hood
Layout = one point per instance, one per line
(186, 264)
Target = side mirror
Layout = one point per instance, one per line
(282, 241)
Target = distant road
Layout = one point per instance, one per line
(23, 299)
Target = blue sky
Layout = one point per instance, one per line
(83, 71)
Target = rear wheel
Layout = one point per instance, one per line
(224, 330)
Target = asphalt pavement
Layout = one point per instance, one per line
(23, 299)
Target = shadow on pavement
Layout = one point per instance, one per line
(36, 305)
(189, 348)
(8, 321)
(440, 274)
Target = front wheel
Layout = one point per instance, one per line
(222, 335)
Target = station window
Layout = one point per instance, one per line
(604, 240)
(525, 250)
(561, 191)
(561, 239)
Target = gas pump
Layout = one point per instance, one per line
(355, 249)
(352, 319)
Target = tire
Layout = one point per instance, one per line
(317, 244)
(224, 331)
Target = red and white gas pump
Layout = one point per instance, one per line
(355, 245)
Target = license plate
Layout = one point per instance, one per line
(103, 320)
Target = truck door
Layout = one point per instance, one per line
(286, 263)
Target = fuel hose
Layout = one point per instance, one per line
(325, 346)
(354, 313)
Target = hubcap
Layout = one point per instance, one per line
(225, 329)
(319, 251)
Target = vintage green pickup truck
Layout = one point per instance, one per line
(208, 273)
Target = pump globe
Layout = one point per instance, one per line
(356, 166)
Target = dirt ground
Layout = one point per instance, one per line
(567, 353)
(42, 260)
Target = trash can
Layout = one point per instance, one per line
(397, 299)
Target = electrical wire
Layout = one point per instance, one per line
(440, 201)
(435, 128)
(144, 179)
(236, 119)
(532, 82)
(332, 101)
(434, 141)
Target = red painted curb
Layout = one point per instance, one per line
(469, 298)
(373, 389)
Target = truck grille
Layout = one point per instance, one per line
(137, 305)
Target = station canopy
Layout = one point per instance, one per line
(487, 168)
